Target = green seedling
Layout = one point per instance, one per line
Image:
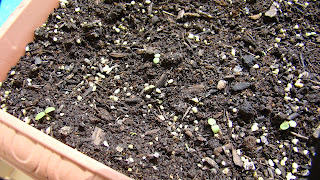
(40, 115)
(156, 58)
(292, 123)
(287, 124)
(214, 127)
(49, 110)
(284, 125)
(211, 121)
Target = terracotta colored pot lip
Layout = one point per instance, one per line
(5, 43)
(63, 151)
(11, 19)
(53, 159)
(18, 30)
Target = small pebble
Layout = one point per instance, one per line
(241, 86)
(254, 127)
(289, 176)
(295, 141)
(256, 66)
(196, 100)
(295, 166)
(211, 162)
(298, 83)
(225, 171)
(270, 162)
(278, 171)
(249, 142)
(264, 140)
(237, 70)
(305, 172)
(105, 143)
(190, 36)
(282, 30)
(272, 11)
(316, 132)
(65, 130)
(283, 161)
(37, 61)
(27, 120)
(130, 146)
(189, 133)
(233, 52)
(222, 84)
(194, 109)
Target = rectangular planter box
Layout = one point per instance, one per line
(26, 148)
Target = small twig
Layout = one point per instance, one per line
(101, 86)
(302, 62)
(165, 12)
(185, 114)
(302, 5)
(161, 112)
(316, 82)
(35, 86)
(248, 52)
(204, 32)
(299, 135)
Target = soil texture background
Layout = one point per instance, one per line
(134, 83)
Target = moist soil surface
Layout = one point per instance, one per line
(133, 85)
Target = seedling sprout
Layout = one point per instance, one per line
(40, 115)
(211, 121)
(284, 125)
(292, 123)
(287, 124)
(49, 110)
(214, 127)
(156, 58)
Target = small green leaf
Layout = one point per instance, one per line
(211, 121)
(156, 60)
(284, 125)
(187, 146)
(40, 115)
(215, 128)
(292, 123)
(49, 109)
(157, 55)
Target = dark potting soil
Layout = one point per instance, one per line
(250, 65)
